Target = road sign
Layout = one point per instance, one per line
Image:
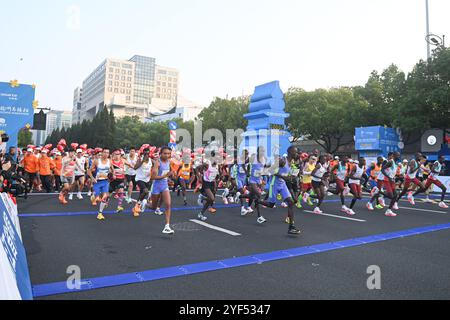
(173, 125)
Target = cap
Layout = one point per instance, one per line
(405, 161)
(44, 151)
(79, 151)
(29, 150)
(336, 158)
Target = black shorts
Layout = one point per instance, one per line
(77, 178)
(209, 185)
(316, 184)
(116, 184)
(293, 185)
(143, 185)
(131, 179)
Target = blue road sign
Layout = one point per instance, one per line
(173, 125)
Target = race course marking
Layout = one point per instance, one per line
(210, 226)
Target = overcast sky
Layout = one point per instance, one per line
(220, 47)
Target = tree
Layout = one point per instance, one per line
(329, 117)
(25, 138)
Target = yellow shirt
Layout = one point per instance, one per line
(307, 178)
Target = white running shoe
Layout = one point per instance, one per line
(344, 209)
(305, 197)
(237, 199)
(428, 200)
(89, 194)
(350, 212)
(244, 211)
(395, 206)
(381, 201)
(390, 213)
(71, 196)
(317, 210)
(79, 196)
(261, 220)
(411, 199)
(201, 217)
(168, 230)
(284, 205)
(443, 205)
(128, 200)
(230, 199)
(369, 206)
(200, 200)
(249, 210)
(158, 212)
(225, 200)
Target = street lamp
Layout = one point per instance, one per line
(432, 39)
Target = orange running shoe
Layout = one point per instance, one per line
(212, 210)
(137, 211)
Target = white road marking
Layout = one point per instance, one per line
(207, 225)
(425, 210)
(334, 216)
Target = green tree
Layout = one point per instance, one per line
(25, 138)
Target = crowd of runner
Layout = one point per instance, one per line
(293, 180)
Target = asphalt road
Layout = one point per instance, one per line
(413, 267)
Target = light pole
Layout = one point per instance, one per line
(428, 30)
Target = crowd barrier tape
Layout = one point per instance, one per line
(14, 276)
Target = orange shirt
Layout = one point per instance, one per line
(45, 166)
(31, 163)
(57, 166)
(174, 165)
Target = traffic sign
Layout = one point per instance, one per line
(173, 125)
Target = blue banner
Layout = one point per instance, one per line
(16, 109)
(13, 259)
(378, 139)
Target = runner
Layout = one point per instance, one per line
(143, 170)
(118, 182)
(210, 176)
(341, 172)
(355, 180)
(80, 172)
(130, 172)
(102, 169)
(68, 175)
(161, 173)
(184, 176)
(389, 170)
(307, 179)
(433, 179)
(411, 178)
(318, 182)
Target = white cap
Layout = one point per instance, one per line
(57, 153)
(356, 162)
(44, 151)
(351, 161)
(29, 150)
(79, 151)
(336, 158)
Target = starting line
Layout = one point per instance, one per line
(56, 288)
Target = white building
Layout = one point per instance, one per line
(185, 111)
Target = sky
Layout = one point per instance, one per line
(221, 47)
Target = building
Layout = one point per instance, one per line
(128, 87)
(77, 100)
(55, 120)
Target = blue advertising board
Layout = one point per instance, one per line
(377, 140)
(14, 276)
(16, 109)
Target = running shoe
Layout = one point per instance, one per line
(158, 212)
(244, 212)
(428, 200)
(390, 213)
(284, 205)
(395, 206)
(350, 212)
(293, 230)
(230, 199)
(100, 217)
(128, 200)
(185, 203)
(317, 210)
(305, 197)
(71, 196)
(249, 210)
(168, 230)
(212, 210)
(310, 203)
(261, 220)
(200, 200)
(379, 207)
(346, 191)
(344, 209)
(201, 217)
(137, 211)
(369, 206)
(225, 200)
(411, 199)
(299, 205)
(89, 193)
(237, 198)
(119, 209)
(381, 202)
(79, 196)
(443, 205)
(288, 221)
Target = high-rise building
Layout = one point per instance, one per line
(128, 87)
(77, 100)
(55, 120)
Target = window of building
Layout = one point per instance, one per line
(170, 78)
(122, 90)
(164, 78)
(123, 78)
(116, 90)
(163, 84)
(158, 89)
(110, 83)
(122, 84)
(130, 73)
(111, 76)
(129, 78)
(128, 98)
(169, 85)
(129, 85)
(117, 70)
(110, 89)
(169, 91)
(116, 83)
(117, 77)
(111, 69)
(175, 86)
(158, 95)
